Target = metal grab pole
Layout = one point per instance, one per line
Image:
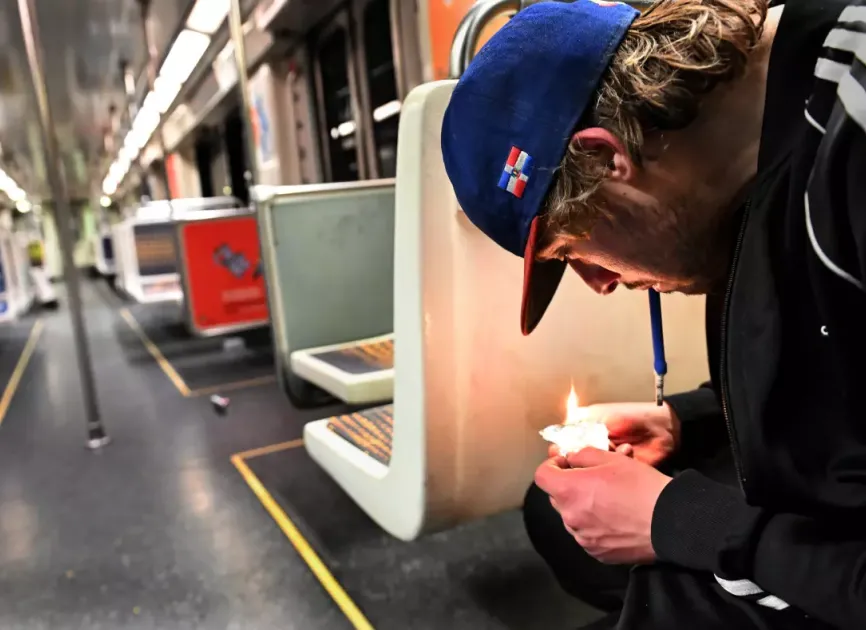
(236, 29)
(236, 26)
(96, 436)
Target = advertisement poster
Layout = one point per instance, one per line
(260, 117)
(155, 249)
(224, 273)
(107, 249)
(4, 304)
(35, 252)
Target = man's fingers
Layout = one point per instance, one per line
(625, 449)
(618, 425)
(588, 457)
(549, 475)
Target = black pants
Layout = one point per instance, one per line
(653, 597)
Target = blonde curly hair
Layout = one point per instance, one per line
(674, 54)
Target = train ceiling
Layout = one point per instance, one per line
(84, 42)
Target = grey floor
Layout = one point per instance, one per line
(158, 530)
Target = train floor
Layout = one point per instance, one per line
(194, 519)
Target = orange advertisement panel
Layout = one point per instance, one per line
(443, 17)
(171, 173)
(225, 279)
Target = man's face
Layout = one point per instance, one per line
(671, 245)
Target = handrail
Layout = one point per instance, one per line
(470, 28)
(264, 193)
(484, 16)
(455, 59)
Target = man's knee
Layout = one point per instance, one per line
(542, 521)
(548, 535)
(577, 572)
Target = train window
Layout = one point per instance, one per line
(337, 99)
(381, 79)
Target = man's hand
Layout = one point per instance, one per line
(652, 432)
(606, 501)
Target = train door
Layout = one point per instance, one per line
(284, 121)
(343, 157)
(377, 80)
(357, 95)
(303, 158)
(204, 157)
(236, 156)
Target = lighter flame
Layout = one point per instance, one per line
(573, 411)
(578, 431)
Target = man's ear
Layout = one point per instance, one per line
(609, 149)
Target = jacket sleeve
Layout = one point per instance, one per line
(702, 426)
(817, 565)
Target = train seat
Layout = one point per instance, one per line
(329, 259)
(357, 372)
(470, 392)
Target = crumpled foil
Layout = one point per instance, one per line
(570, 438)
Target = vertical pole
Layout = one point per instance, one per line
(236, 29)
(96, 436)
(151, 82)
(236, 26)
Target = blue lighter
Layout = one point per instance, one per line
(660, 366)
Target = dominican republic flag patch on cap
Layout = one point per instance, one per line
(516, 173)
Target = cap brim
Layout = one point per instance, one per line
(540, 281)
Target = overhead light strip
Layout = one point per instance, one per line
(184, 56)
(11, 188)
(208, 15)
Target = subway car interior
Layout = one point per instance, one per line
(289, 389)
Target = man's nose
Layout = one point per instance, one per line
(601, 280)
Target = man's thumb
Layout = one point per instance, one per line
(588, 457)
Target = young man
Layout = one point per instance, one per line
(709, 147)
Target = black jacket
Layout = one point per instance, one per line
(789, 373)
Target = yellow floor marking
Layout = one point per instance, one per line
(304, 549)
(273, 448)
(18, 372)
(176, 378)
(156, 353)
(218, 389)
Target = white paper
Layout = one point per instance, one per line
(570, 438)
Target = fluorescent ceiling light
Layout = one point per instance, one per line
(24, 206)
(186, 51)
(127, 152)
(208, 15)
(130, 143)
(123, 165)
(109, 186)
(164, 92)
(105, 201)
(149, 104)
(383, 112)
(143, 127)
(16, 194)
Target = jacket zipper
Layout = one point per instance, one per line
(723, 367)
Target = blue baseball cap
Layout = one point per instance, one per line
(511, 118)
